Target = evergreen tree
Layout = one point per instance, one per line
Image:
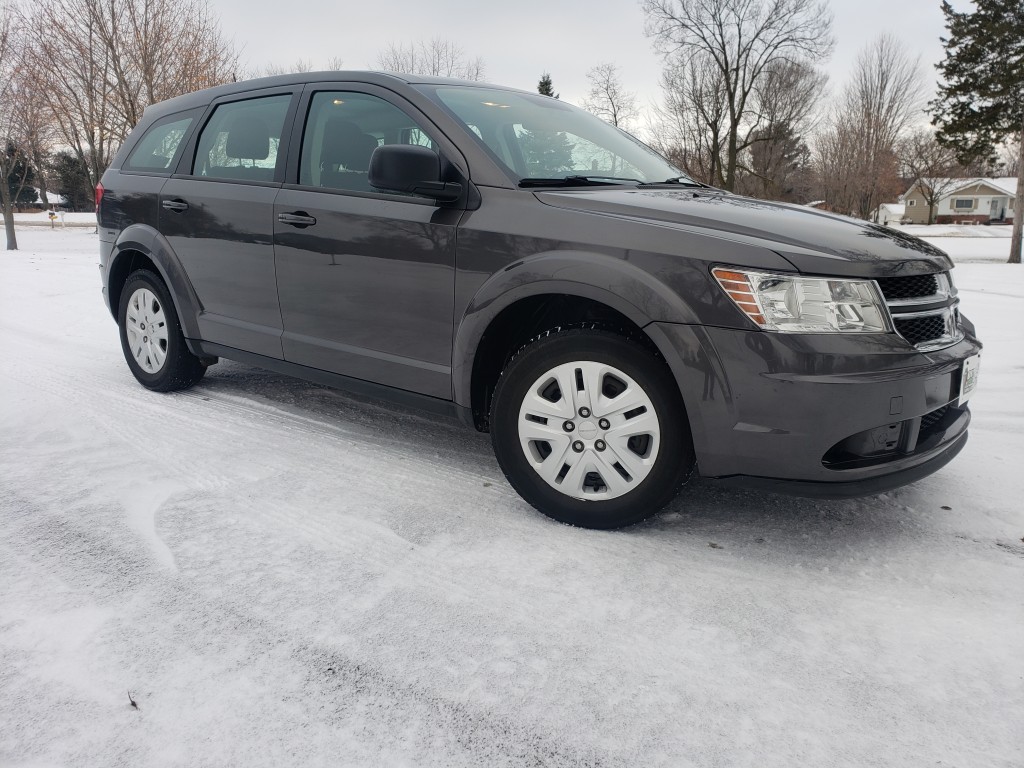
(779, 164)
(981, 103)
(545, 87)
(548, 154)
(21, 178)
(72, 179)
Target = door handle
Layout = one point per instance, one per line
(178, 206)
(297, 219)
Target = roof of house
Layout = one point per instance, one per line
(899, 208)
(1005, 184)
(52, 197)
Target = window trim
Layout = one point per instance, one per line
(444, 146)
(187, 159)
(192, 114)
(960, 208)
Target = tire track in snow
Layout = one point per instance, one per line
(192, 473)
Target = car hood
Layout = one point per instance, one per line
(812, 241)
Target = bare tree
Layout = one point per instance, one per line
(776, 163)
(437, 57)
(74, 71)
(36, 125)
(102, 63)
(11, 136)
(1012, 157)
(789, 95)
(333, 64)
(737, 42)
(607, 98)
(857, 154)
(691, 129)
(299, 65)
(933, 167)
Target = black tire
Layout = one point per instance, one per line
(179, 369)
(673, 462)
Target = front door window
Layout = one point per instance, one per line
(342, 131)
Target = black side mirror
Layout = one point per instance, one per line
(411, 169)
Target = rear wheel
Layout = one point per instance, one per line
(151, 336)
(590, 429)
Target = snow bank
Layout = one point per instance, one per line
(42, 219)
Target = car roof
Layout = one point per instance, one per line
(385, 79)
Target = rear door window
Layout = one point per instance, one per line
(242, 140)
(158, 148)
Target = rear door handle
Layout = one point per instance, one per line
(178, 206)
(297, 219)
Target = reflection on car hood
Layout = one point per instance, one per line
(813, 241)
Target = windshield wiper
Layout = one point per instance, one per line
(576, 181)
(678, 181)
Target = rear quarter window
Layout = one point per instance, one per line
(157, 150)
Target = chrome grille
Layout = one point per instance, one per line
(917, 330)
(923, 309)
(913, 287)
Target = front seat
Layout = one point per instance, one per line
(345, 156)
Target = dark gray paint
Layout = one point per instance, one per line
(225, 242)
(367, 291)
(385, 291)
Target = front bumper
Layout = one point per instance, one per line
(817, 415)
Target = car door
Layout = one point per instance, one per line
(365, 278)
(217, 215)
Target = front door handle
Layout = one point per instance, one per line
(178, 206)
(297, 219)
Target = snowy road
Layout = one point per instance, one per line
(282, 575)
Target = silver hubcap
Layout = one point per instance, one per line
(589, 430)
(146, 328)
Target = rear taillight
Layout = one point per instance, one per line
(99, 198)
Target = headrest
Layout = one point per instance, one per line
(248, 139)
(344, 144)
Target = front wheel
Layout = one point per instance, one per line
(590, 429)
(151, 336)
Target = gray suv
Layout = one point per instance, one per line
(515, 261)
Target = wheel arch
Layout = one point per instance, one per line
(563, 289)
(141, 247)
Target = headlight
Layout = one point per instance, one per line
(791, 304)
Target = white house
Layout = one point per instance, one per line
(888, 214)
(967, 201)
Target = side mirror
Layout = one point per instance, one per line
(411, 169)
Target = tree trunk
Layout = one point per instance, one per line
(731, 157)
(37, 161)
(1018, 208)
(8, 211)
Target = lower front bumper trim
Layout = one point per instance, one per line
(849, 489)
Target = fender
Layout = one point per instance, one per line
(147, 241)
(630, 291)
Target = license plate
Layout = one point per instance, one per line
(968, 378)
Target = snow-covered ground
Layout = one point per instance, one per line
(282, 575)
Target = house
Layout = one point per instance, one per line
(55, 201)
(888, 214)
(964, 201)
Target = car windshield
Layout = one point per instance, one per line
(539, 138)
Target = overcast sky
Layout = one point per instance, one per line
(520, 40)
